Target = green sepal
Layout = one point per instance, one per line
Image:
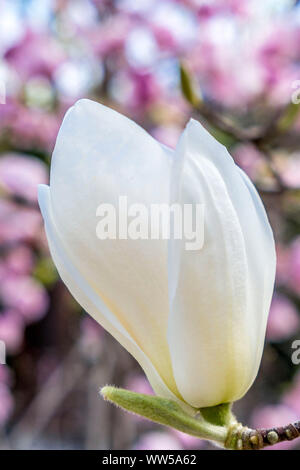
(221, 415)
(166, 412)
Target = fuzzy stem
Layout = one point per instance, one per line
(220, 415)
(166, 412)
(216, 423)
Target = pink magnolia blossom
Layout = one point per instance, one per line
(11, 330)
(44, 52)
(146, 89)
(294, 265)
(278, 55)
(208, 10)
(8, 112)
(20, 175)
(164, 38)
(18, 223)
(19, 260)
(25, 295)
(35, 128)
(249, 159)
(110, 37)
(284, 320)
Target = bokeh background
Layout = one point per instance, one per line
(232, 64)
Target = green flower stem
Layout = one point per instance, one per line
(169, 413)
(220, 415)
(216, 423)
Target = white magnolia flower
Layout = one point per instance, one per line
(194, 320)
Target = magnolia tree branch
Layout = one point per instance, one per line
(244, 438)
(217, 424)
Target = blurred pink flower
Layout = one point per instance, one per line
(19, 260)
(164, 38)
(139, 384)
(284, 320)
(91, 329)
(278, 56)
(167, 135)
(282, 267)
(110, 37)
(208, 10)
(249, 159)
(294, 266)
(272, 416)
(8, 112)
(187, 441)
(20, 175)
(5, 375)
(25, 295)
(18, 223)
(35, 128)
(6, 404)
(11, 330)
(291, 398)
(91, 338)
(146, 89)
(216, 67)
(4, 271)
(35, 54)
(157, 441)
(290, 174)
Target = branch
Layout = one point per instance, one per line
(243, 438)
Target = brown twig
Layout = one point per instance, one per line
(243, 438)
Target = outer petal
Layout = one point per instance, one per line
(219, 296)
(99, 155)
(90, 300)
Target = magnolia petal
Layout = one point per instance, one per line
(99, 156)
(92, 302)
(220, 295)
(257, 233)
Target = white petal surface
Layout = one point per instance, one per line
(91, 301)
(99, 155)
(220, 295)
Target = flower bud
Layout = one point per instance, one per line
(194, 319)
